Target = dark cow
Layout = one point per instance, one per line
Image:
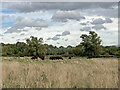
(89, 57)
(34, 57)
(54, 58)
(42, 57)
(69, 57)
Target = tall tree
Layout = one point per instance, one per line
(35, 46)
(91, 43)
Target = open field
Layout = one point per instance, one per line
(20, 72)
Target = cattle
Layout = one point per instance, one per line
(42, 57)
(89, 57)
(69, 57)
(54, 58)
(34, 57)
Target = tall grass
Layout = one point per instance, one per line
(74, 73)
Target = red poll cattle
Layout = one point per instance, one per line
(42, 57)
(34, 57)
(89, 57)
(69, 57)
(54, 58)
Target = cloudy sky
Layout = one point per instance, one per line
(59, 24)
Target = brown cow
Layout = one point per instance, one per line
(58, 57)
(42, 57)
(34, 57)
(89, 57)
(69, 57)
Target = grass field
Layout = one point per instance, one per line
(22, 72)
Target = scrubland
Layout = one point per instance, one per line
(22, 72)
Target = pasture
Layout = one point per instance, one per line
(23, 72)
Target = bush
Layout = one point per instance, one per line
(106, 54)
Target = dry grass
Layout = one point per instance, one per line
(74, 73)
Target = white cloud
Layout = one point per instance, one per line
(108, 13)
(58, 34)
(98, 21)
(56, 30)
(108, 20)
(22, 22)
(104, 14)
(85, 29)
(63, 16)
(36, 6)
(98, 27)
(101, 21)
(55, 38)
(65, 33)
(83, 23)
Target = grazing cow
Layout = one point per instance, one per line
(42, 57)
(89, 57)
(58, 57)
(69, 57)
(34, 57)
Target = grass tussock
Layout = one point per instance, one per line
(74, 73)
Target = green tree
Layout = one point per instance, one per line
(118, 53)
(21, 49)
(35, 46)
(4, 50)
(69, 49)
(91, 44)
(78, 50)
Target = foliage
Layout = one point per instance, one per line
(91, 44)
(35, 46)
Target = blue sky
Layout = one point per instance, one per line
(59, 24)
(7, 11)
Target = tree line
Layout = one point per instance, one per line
(90, 46)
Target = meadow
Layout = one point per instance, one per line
(23, 72)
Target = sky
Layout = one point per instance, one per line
(58, 23)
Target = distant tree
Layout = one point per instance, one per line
(117, 53)
(111, 49)
(4, 50)
(35, 46)
(78, 50)
(8, 49)
(21, 49)
(69, 49)
(61, 50)
(91, 44)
